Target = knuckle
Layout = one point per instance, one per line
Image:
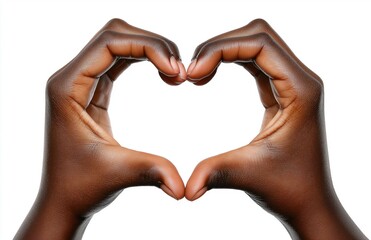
(201, 48)
(174, 48)
(151, 173)
(52, 87)
(313, 92)
(159, 45)
(197, 50)
(259, 24)
(317, 89)
(265, 38)
(116, 23)
(316, 86)
(54, 93)
(320, 82)
(219, 178)
(205, 49)
(209, 48)
(149, 177)
(106, 36)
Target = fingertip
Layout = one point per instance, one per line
(201, 72)
(175, 188)
(177, 193)
(192, 196)
(169, 68)
(182, 71)
(191, 66)
(179, 76)
(197, 183)
(174, 64)
(172, 81)
(190, 69)
(199, 193)
(171, 182)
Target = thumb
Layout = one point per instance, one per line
(143, 169)
(235, 170)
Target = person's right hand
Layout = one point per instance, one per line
(85, 168)
(285, 167)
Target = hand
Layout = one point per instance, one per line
(285, 167)
(85, 168)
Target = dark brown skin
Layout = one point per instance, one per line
(285, 167)
(85, 168)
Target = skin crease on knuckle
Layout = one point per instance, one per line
(284, 169)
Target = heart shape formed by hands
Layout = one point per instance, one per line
(284, 168)
(257, 168)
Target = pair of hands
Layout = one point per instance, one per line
(284, 168)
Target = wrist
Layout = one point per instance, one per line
(48, 220)
(323, 219)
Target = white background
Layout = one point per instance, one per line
(187, 123)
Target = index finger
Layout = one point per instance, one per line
(123, 27)
(286, 74)
(254, 27)
(79, 78)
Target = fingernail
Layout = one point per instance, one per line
(199, 193)
(168, 191)
(174, 63)
(182, 73)
(191, 66)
